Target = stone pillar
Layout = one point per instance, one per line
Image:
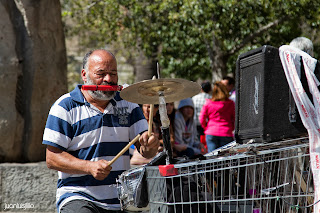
(35, 67)
(11, 121)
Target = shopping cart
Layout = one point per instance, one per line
(250, 178)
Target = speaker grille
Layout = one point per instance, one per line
(251, 94)
(262, 103)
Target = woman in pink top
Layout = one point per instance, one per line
(217, 118)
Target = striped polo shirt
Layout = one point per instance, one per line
(79, 128)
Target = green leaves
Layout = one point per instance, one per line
(192, 38)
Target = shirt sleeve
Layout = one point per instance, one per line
(58, 130)
(203, 116)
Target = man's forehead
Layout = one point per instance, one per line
(102, 58)
(102, 55)
(98, 61)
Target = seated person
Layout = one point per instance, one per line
(137, 159)
(186, 141)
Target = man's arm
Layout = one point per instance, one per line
(62, 161)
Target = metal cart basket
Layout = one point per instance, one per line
(273, 177)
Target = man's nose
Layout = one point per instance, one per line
(107, 77)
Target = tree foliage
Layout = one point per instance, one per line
(192, 38)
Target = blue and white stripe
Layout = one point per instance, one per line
(76, 126)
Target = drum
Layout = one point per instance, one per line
(132, 190)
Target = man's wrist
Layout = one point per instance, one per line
(149, 153)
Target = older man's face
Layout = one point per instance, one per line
(102, 70)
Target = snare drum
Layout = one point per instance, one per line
(129, 185)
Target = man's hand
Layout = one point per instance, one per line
(99, 169)
(64, 162)
(148, 145)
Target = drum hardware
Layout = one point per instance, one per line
(132, 189)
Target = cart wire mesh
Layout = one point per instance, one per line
(273, 177)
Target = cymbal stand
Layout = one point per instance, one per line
(165, 123)
(165, 128)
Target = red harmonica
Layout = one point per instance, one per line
(102, 87)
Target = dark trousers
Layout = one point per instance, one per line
(83, 206)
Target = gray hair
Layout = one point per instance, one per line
(303, 44)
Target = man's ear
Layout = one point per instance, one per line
(84, 75)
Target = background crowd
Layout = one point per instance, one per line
(199, 124)
(206, 121)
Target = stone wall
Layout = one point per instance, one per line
(33, 70)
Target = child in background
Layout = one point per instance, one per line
(186, 141)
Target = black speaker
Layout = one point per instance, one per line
(265, 111)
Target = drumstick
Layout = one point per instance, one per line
(151, 115)
(150, 119)
(124, 149)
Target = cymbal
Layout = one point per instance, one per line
(147, 91)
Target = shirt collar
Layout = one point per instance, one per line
(77, 95)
